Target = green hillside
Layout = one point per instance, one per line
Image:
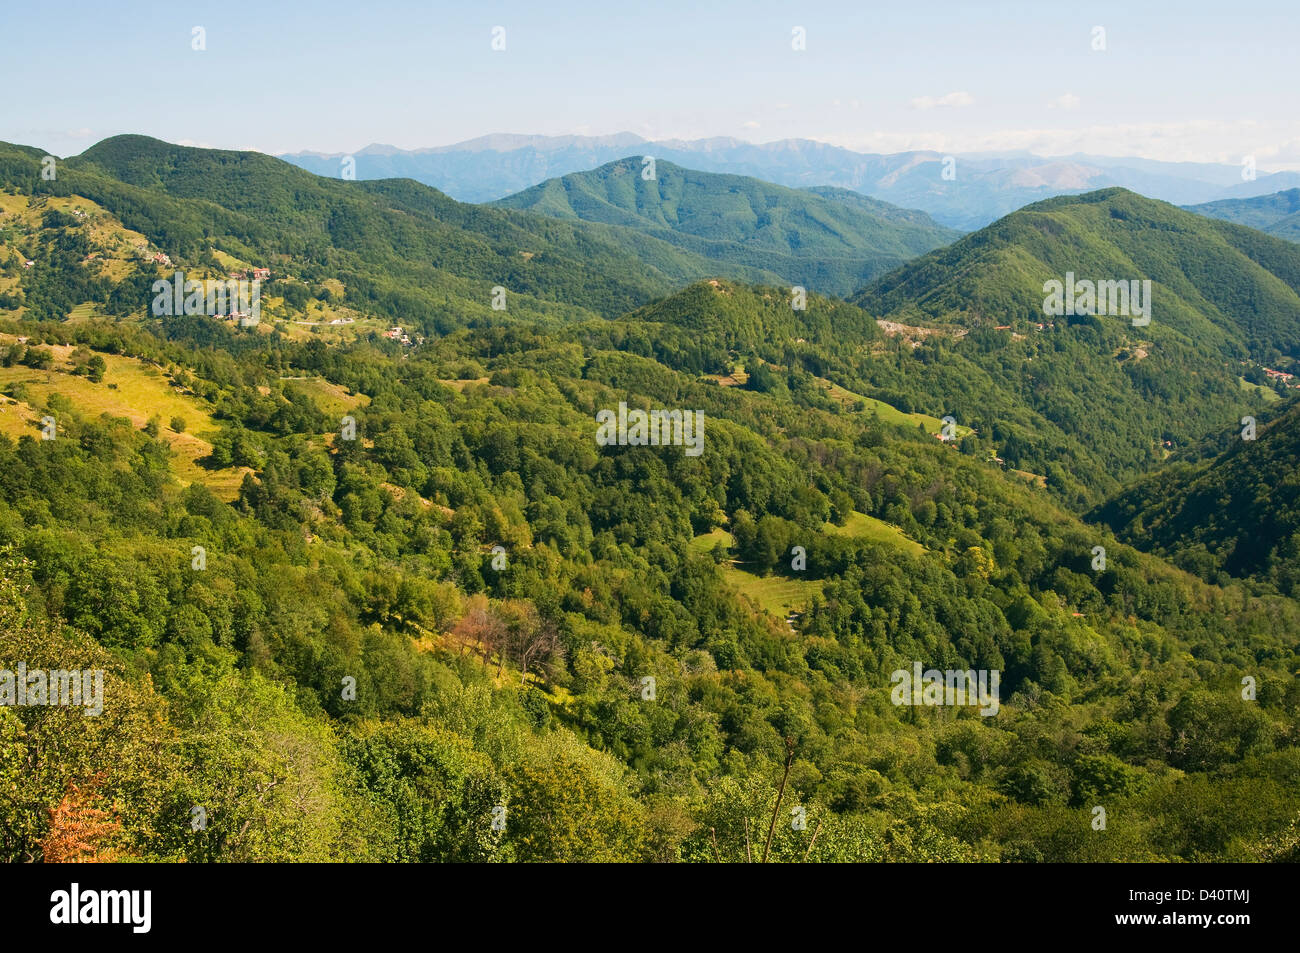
(1235, 515)
(398, 247)
(1225, 302)
(1277, 214)
(359, 599)
(829, 240)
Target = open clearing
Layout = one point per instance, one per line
(784, 596)
(886, 412)
(131, 389)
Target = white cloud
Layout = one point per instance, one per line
(1064, 101)
(750, 125)
(960, 98)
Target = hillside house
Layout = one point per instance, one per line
(261, 274)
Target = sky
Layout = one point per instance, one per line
(1190, 81)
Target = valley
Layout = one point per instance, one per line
(364, 572)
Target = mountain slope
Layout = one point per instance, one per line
(1222, 295)
(832, 239)
(609, 263)
(1237, 514)
(396, 252)
(399, 226)
(1277, 214)
(1214, 281)
(499, 589)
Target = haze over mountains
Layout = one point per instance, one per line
(985, 188)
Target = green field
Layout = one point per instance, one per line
(862, 526)
(886, 412)
(1265, 393)
(131, 389)
(333, 400)
(781, 596)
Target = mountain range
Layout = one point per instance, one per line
(981, 189)
(366, 583)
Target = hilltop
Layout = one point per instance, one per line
(831, 240)
(1225, 303)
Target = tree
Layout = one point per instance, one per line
(56, 763)
(527, 638)
(80, 830)
(568, 804)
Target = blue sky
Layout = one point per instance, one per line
(1177, 81)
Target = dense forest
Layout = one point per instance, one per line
(827, 238)
(1235, 515)
(357, 599)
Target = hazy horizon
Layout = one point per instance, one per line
(1174, 83)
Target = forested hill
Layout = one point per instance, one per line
(361, 592)
(1235, 289)
(831, 240)
(1278, 214)
(397, 252)
(1235, 515)
(396, 245)
(1224, 308)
